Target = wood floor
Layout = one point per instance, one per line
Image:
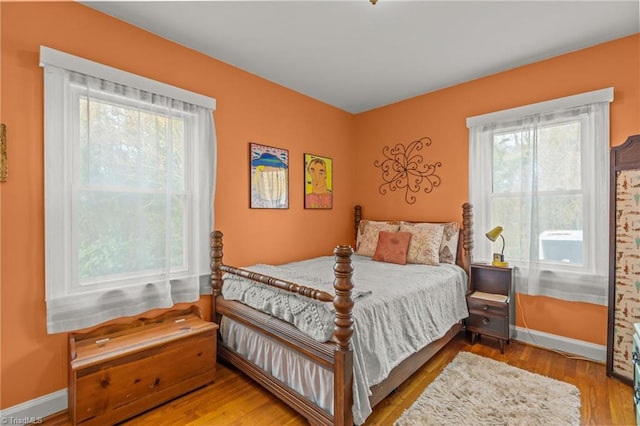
(236, 400)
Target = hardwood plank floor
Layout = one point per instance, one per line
(236, 400)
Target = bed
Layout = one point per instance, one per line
(324, 335)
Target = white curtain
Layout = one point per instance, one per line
(539, 178)
(129, 187)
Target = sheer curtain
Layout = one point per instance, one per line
(129, 186)
(543, 175)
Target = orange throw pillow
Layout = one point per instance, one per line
(392, 247)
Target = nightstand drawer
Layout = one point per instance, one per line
(496, 326)
(480, 306)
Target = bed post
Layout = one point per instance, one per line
(343, 330)
(467, 235)
(216, 273)
(357, 210)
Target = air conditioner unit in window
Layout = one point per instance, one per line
(563, 246)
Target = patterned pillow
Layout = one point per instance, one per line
(392, 247)
(425, 242)
(368, 231)
(449, 245)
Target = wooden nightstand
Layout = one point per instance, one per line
(491, 311)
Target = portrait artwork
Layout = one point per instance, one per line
(318, 182)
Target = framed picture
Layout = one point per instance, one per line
(318, 182)
(269, 177)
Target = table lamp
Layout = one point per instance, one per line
(498, 258)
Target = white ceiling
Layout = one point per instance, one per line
(357, 56)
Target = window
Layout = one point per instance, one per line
(541, 172)
(128, 193)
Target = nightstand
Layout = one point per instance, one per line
(491, 310)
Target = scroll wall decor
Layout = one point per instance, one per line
(404, 168)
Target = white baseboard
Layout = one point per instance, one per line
(581, 348)
(33, 411)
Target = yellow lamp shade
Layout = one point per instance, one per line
(494, 233)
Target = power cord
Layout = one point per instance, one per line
(564, 354)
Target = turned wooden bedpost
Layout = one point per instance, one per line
(216, 272)
(357, 212)
(343, 331)
(467, 235)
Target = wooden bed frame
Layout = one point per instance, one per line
(337, 355)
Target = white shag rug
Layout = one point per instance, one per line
(474, 390)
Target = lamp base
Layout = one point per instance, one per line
(498, 260)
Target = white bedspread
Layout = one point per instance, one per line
(312, 317)
(408, 307)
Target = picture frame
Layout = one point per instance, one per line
(318, 182)
(268, 177)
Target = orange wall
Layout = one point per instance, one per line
(442, 116)
(252, 109)
(248, 109)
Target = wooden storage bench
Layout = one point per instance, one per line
(119, 371)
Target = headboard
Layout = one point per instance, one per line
(465, 239)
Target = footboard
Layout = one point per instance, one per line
(335, 356)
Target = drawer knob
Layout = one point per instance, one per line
(485, 320)
(485, 307)
(102, 342)
(156, 382)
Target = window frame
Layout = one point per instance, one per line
(586, 284)
(112, 281)
(588, 263)
(74, 306)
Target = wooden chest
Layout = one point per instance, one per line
(119, 371)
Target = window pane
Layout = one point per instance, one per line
(559, 229)
(124, 233)
(132, 201)
(558, 157)
(543, 161)
(120, 233)
(511, 162)
(551, 161)
(125, 146)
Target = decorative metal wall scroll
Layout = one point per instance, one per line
(405, 169)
